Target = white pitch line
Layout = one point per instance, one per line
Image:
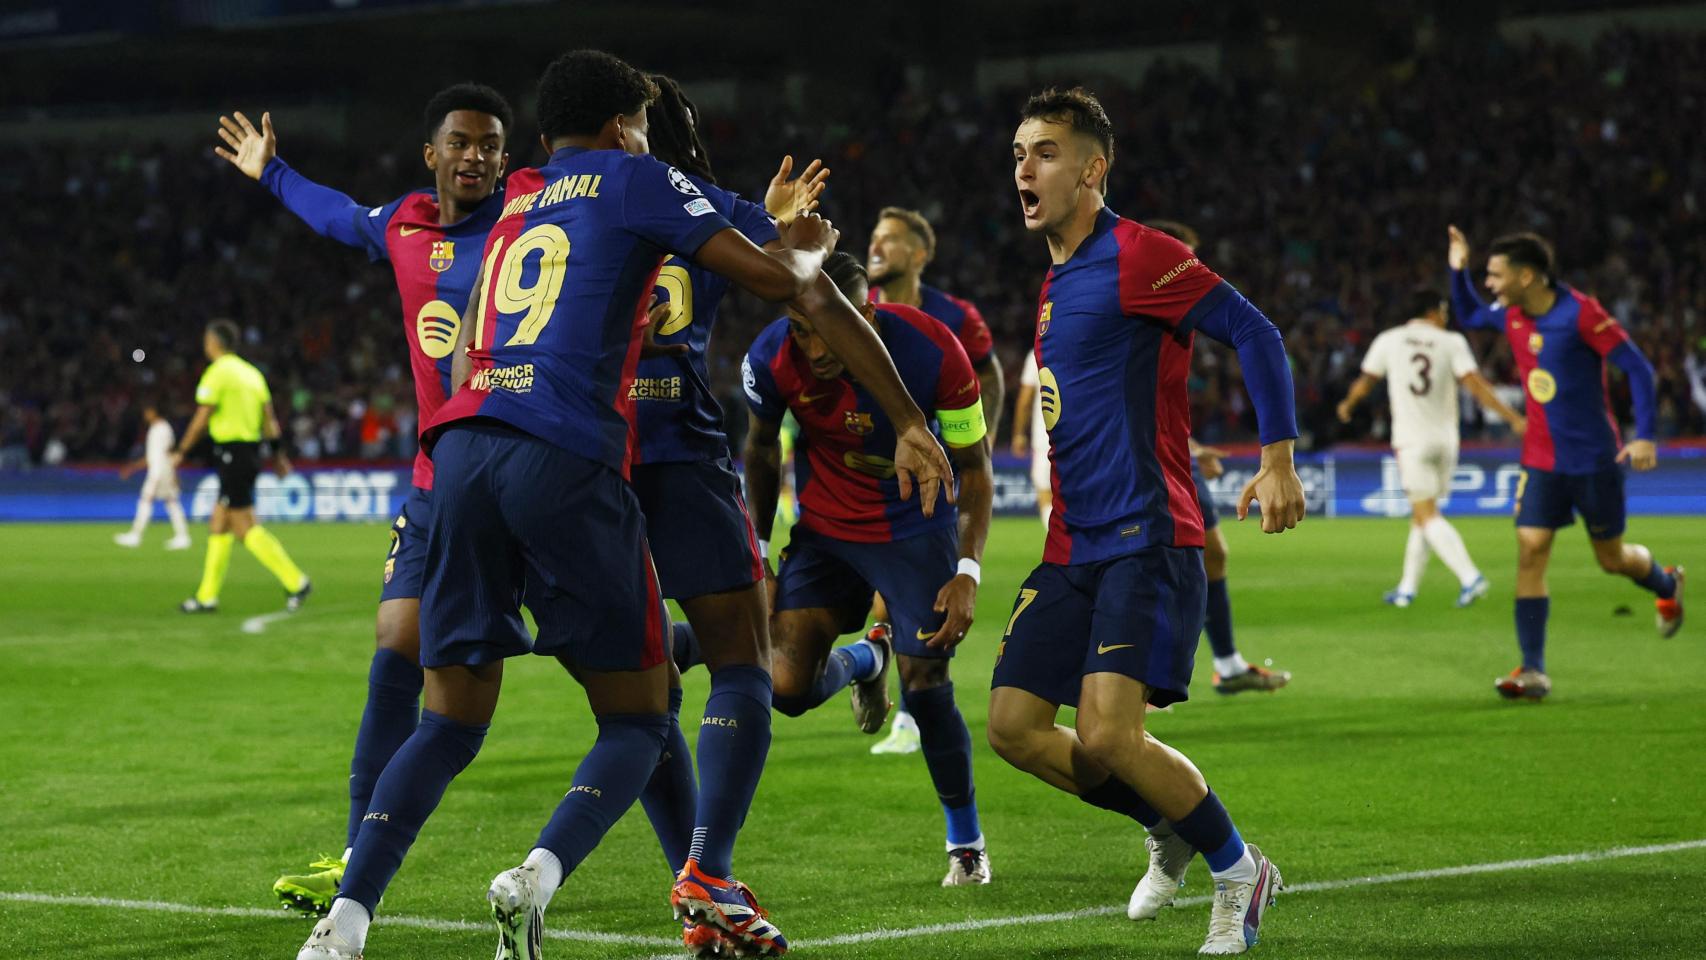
(259, 624)
(419, 923)
(870, 936)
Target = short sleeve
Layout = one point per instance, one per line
(751, 220)
(759, 385)
(1598, 329)
(662, 205)
(1374, 362)
(207, 390)
(1462, 358)
(261, 389)
(974, 334)
(1160, 278)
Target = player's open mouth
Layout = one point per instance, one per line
(469, 178)
(1029, 202)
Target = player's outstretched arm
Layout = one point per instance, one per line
(255, 152)
(1489, 398)
(1473, 313)
(1277, 488)
(958, 597)
(779, 272)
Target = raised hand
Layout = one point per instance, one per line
(786, 199)
(250, 148)
(1457, 248)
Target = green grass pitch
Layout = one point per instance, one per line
(149, 756)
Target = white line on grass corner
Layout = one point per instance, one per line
(901, 933)
(260, 623)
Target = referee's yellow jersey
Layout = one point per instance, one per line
(238, 394)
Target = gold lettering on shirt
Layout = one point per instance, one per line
(1175, 273)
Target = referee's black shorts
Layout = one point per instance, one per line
(237, 465)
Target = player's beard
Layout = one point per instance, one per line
(889, 275)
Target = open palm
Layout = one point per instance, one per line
(250, 148)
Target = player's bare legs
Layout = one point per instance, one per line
(1636, 562)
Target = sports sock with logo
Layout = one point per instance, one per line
(270, 553)
(407, 793)
(213, 568)
(392, 713)
(946, 745)
(607, 782)
(734, 740)
(1531, 614)
(670, 797)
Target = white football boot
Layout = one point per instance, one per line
(1236, 920)
(516, 906)
(1168, 858)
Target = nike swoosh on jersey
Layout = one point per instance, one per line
(812, 397)
(1111, 647)
(408, 231)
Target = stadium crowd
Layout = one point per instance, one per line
(1326, 205)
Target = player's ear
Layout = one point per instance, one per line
(430, 155)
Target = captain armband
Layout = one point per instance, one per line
(962, 428)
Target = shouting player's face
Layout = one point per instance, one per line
(1057, 171)
(467, 156)
(894, 252)
(1507, 282)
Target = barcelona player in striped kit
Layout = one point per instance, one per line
(531, 457)
(1109, 621)
(1561, 340)
(855, 534)
(431, 239)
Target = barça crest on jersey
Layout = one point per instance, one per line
(858, 422)
(443, 255)
(1534, 343)
(1043, 317)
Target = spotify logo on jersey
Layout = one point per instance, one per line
(1048, 393)
(436, 327)
(1541, 386)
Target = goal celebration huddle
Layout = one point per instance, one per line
(573, 463)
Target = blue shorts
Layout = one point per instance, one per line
(1205, 498)
(405, 563)
(702, 538)
(839, 575)
(511, 513)
(1137, 615)
(1551, 500)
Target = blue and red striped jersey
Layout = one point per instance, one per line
(960, 316)
(1560, 356)
(844, 459)
(1114, 329)
(568, 272)
(435, 268)
(680, 418)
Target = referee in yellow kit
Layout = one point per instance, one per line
(234, 408)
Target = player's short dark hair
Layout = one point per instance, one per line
(1178, 231)
(226, 332)
(582, 89)
(467, 96)
(1077, 108)
(848, 275)
(1424, 300)
(675, 130)
(1526, 250)
(915, 222)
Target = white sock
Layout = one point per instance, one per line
(1444, 540)
(903, 720)
(1415, 561)
(974, 845)
(350, 920)
(877, 651)
(1231, 666)
(1244, 871)
(180, 528)
(144, 512)
(550, 873)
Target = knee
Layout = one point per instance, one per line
(1016, 745)
(1110, 745)
(398, 632)
(788, 704)
(1531, 555)
(1610, 562)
